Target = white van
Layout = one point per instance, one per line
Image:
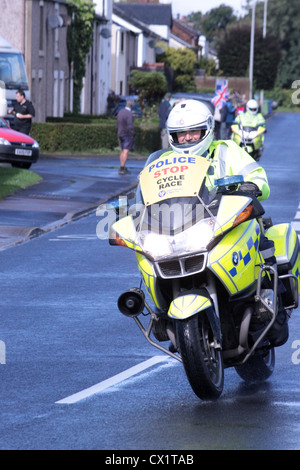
(12, 73)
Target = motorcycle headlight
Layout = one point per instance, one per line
(155, 245)
(199, 236)
(194, 239)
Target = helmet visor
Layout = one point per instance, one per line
(185, 138)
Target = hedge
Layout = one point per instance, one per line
(70, 137)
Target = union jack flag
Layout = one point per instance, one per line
(221, 95)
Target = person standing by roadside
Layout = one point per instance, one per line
(230, 117)
(163, 113)
(24, 112)
(125, 125)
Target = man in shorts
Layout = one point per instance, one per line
(125, 125)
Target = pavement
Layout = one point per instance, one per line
(72, 187)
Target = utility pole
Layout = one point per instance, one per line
(252, 50)
(264, 35)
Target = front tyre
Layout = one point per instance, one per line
(202, 362)
(24, 165)
(257, 368)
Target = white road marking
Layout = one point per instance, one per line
(116, 379)
(288, 403)
(68, 238)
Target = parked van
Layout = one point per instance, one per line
(12, 73)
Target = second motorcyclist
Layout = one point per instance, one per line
(252, 117)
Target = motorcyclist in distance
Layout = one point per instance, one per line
(252, 117)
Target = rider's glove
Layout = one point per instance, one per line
(251, 188)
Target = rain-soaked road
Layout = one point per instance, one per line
(68, 381)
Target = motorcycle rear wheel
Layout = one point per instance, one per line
(257, 368)
(203, 363)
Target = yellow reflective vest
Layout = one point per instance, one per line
(228, 159)
(250, 120)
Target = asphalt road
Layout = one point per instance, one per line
(71, 188)
(68, 380)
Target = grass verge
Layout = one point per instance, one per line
(13, 179)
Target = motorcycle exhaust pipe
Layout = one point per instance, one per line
(131, 303)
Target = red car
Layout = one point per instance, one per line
(16, 148)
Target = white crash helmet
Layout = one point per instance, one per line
(252, 106)
(190, 115)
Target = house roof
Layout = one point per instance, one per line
(148, 13)
(134, 21)
(180, 40)
(186, 27)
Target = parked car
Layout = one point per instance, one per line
(16, 148)
(137, 112)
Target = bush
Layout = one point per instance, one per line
(283, 97)
(59, 137)
(72, 137)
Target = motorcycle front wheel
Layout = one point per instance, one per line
(202, 362)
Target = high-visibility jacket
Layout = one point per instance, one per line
(228, 159)
(250, 120)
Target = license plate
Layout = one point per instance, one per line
(26, 153)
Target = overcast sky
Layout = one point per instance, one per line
(184, 7)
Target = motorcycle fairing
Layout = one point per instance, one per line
(125, 230)
(235, 261)
(230, 205)
(253, 137)
(150, 280)
(187, 305)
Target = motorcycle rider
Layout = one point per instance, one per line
(190, 128)
(252, 117)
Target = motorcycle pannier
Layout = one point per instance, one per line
(287, 255)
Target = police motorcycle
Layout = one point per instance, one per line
(249, 129)
(213, 301)
(250, 138)
(212, 293)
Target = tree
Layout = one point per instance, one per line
(217, 20)
(196, 19)
(234, 52)
(149, 86)
(266, 60)
(282, 23)
(79, 42)
(214, 23)
(183, 63)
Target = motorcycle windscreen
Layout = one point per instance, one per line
(173, 176)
